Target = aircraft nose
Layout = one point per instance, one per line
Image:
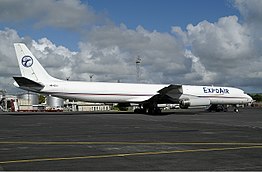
(249, 99)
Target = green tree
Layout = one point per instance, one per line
(41, 99)
(257, 97)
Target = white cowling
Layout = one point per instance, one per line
(184, 104)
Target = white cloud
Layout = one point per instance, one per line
(226, 52)
(222, 44)
(199, 74)
(250, 10)
(8, 62)
(56, 59)
(70, 14)
(162, 55)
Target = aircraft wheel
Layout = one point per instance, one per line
(154, 111)
(137, 111)
(140, 111)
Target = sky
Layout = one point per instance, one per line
(161, 15)
(197, 42)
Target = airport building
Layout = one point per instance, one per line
(86, 106)
(29, 102)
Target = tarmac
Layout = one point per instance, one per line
(174, 141)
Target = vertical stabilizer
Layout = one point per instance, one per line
(29, 66)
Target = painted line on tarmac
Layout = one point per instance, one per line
(128, 154)
(126, 143)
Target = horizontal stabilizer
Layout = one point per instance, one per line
(28, 84)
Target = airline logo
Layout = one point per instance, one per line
(215, 90)
(27, 61)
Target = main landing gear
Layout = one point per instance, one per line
(151, 109)
(217, 108)
(220, 108)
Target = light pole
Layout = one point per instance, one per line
(138, 61)
(91, 77)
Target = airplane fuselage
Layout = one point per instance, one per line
(134, 93)
(35, 78)
(102, 91)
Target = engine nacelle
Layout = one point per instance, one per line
(184, 104)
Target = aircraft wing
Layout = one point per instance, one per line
(171, 90)
(169, 94)
(28, 84)
(140, 99)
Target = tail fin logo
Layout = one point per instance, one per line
(27, 61)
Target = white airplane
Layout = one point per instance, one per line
(35, 78)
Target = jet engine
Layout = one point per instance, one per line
(184, 104)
